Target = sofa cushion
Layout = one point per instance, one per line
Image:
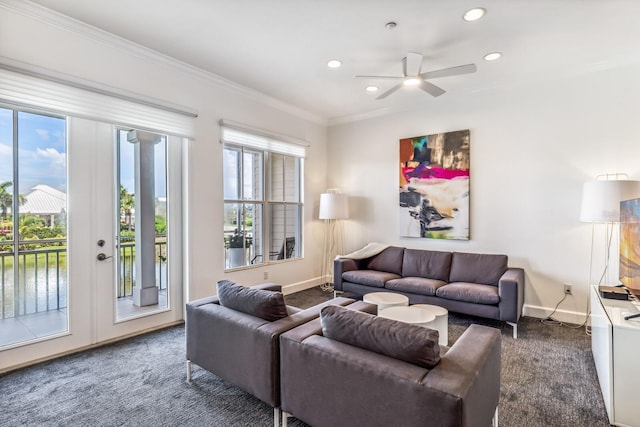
(410, 343)
(415, 285)
(427, 264)
(373, 278)
(485, 269)
(470, 292)
(267, 305)
(389, 260)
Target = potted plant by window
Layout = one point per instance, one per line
(236, 249)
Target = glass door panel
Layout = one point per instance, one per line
(33, 231)
(141, 240)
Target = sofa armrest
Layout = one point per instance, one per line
(341, 265)
(470, 370)
(314, 327)
(511, 291)
(203, 301)
(279, 326)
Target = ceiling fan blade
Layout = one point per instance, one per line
(411, 64)
(431, 89)
(453, 71)
(379, 77)
(390, 91)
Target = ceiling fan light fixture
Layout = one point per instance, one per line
(334, 63)
(474, 14)
(492, 56)
(412, 81)
(371, 88)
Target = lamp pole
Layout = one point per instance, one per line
(333, 209)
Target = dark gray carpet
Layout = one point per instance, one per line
(548, 379)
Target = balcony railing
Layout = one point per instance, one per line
(128, 263)
(42, 274)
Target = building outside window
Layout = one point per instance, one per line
(263, 198)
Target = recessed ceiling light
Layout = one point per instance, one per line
(492, 56)
(474, 14)
(412, 81)
(372, 88)
(334, 63)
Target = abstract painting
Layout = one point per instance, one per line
(434, 186)
(630, 244)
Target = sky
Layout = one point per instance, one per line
(42, 150)
(42, 154)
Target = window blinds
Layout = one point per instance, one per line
(51, 95)
(247, 137)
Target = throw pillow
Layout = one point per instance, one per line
(389, 260)
(267, 305)
(411, 343)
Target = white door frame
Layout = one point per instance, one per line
(90, 217)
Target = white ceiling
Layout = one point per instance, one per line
(281, 47)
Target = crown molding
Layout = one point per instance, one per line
(362, 116)
(56, 19)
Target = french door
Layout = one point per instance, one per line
(129, 235)
(123, 243)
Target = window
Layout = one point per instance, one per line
(33, 225)
(263, 201)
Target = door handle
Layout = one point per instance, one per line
(102, 257)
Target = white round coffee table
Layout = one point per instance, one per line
(442, 320)
(409, 314)
(385, 299)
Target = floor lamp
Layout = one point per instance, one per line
(601, 204)
(334, 208)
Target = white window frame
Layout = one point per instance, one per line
(268, 144)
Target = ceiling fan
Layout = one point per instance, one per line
(411, 66)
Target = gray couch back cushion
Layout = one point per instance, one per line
(427, 264)
(389, 260)
(485, 269)
(411, 343)
(267, 305)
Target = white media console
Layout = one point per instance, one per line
(615, 343)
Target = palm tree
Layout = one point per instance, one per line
(6, 199)
(127, 203)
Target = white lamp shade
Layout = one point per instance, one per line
(334, 206)
(601, 199)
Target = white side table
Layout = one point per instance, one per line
(385, 299)
(409, 314)
(442, 320)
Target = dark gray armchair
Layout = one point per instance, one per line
(329, 382)
(241, 348)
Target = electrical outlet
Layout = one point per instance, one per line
(266, 275)
(567, 289)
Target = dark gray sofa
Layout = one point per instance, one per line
(333, 383)
(242, 348)
(476, 284)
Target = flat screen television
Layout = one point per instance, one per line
(630, 245)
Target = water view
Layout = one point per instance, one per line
(33, 222)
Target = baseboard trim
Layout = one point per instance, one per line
(301, 286)
(567, 316)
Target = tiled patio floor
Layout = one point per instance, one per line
(33, 326)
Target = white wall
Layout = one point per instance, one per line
(532, 148)
(29, 35)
